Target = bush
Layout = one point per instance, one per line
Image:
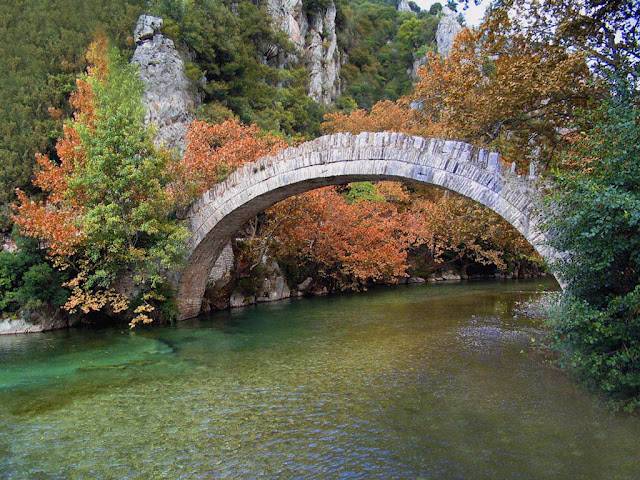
(27, 280)
(595, 218)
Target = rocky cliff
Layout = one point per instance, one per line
(313, 32)
(448, 28)
(403, 6)
(168, 97)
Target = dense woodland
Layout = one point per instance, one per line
(94, 207)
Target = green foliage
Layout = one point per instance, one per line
(42, 43)
(381, 45)
(363, 191)
(214, 112)
(435, 9)
(595, 217)
(602, 345)
(235, 58)
(27, 280)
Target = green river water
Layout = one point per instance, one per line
(432, 382)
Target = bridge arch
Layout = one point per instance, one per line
(342, 158)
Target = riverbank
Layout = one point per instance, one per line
(275, 289)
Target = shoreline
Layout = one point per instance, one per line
(60, 321)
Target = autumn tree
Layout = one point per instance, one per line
(214, 150)
(106, 216)
(606, 33)
(348, 245)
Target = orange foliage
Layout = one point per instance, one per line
(510, 95)
(54, 221)
(351, 243)
(54, 226)
(214, 151)
(385, 115)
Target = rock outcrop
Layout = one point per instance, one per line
(403, 6)
(313, 32)
(170, 102)
(34, 321)
(7, 244)
(448, 28)
(168, 96)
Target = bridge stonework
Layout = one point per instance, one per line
(341, 158)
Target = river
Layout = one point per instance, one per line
(431, 381)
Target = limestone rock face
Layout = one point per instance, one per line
(448, 28)
(168, 97)
(403, 6)
(314, 35)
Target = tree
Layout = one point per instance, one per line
(28, 280)
(106, 216)
(605, 32)
(594, 216)
(454, 229)
(39, 71)
(349, 245)
(505, 94)
(214, 151)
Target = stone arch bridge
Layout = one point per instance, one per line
(342, 158)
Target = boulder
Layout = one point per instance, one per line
(273, 288)
(239, 299)
(320, 291)
(414, 280)
(33, 321)
(304, 286)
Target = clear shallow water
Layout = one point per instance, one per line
(437, 382)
